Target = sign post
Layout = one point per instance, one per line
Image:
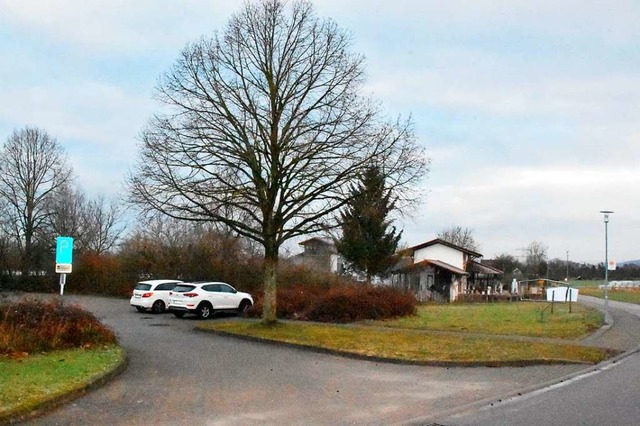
(64, 259)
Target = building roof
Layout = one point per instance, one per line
(444, 243)
(437, 263)
(483, 269)
(321, 240)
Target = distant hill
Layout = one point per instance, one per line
(630, 262)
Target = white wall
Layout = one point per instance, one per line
(335, 264)
(440, 252)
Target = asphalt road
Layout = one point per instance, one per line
(610, 395)
(180, 376)
(606, 397)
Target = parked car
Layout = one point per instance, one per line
(152, 294)
(206, 298)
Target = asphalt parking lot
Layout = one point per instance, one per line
(177, 375)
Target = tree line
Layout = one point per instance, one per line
(40, 199)
(536, 265)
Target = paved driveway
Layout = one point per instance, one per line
(179, 376)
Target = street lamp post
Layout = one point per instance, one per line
(606, 213)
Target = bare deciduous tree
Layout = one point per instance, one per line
(162, 246)
(267, 121)
(32, 167)
(536, 258)
(66, 214)
(102, 225)
(94, 224)
(459, 236)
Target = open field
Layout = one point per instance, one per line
(27, 382)
(586, 283)
(519, 319)
(629, 295)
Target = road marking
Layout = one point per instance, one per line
(523, 397)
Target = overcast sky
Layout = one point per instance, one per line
(528, 109)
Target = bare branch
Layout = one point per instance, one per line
(267, 121)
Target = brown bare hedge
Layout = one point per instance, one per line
(357, 303)
(33, 326)
(339, 304)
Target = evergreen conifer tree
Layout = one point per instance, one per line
(369, 241)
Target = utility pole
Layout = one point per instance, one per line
(567, 279)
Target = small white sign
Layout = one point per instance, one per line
(562, 294)
(612, 265)
(63, 268)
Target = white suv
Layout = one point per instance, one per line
(152, 294)
(206, 298)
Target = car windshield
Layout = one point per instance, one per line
(181, 288)
(143, 287)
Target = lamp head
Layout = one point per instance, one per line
(606, 215)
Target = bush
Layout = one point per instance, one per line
(357, 303)
(342, 303)
(33, 326)
(292, 302)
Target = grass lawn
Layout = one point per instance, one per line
(629, 295)
(586, 283)
(420, 338)
(520, 319)
(27, 382)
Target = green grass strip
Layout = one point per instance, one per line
(585, 283)
(27, 383)
(533, 319)
(412, 345)
(629, 295)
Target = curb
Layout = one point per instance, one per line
(523, 392)
(377, 359)
(48, 405)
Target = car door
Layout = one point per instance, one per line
(162, 291)
(214, 295)
(230, 296)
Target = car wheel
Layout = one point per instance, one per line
(205, 311)
(157, 307)
(140, 309)
(244, 305)
(178, 314)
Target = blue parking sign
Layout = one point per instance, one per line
(64, 250)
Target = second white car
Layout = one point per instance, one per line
(206, 298)
(152, 294)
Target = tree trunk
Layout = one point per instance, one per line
(27, 257)
(270, 288)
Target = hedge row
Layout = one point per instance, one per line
(340, 304)
(117, 275)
